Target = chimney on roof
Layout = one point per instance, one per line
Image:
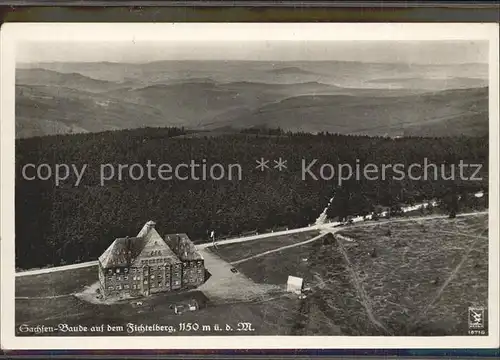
(127, 242)
(151, 224)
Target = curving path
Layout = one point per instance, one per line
(328, 227)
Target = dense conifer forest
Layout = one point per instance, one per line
(67, 223)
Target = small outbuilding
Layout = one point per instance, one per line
(294, 285)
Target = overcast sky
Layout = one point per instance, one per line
(421, 52)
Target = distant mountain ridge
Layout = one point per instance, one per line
(50, 102)
(294, 70)
(433, 84)
(441, 114)
(74, 80)
(329, 72)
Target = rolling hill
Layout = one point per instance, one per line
(431, 84)
(49, 78)
(44, 110)
(208, 96)
(291, 70)
(341, 73)
(447, 113)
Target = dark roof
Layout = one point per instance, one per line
(124, 251)
(154, 243)
(183, 247)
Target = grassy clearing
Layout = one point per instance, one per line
(238, 251)
(280, 315)
(405, 269)
(406, 281)
(56, 283)
(333, 308)
(53, 311)
(274, 317)
(276, 267)
(402, 267)
(46, 299)
(470, 286)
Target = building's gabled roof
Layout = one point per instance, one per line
(183, 247)
(121, 252)
(154, 246)
(146, 228)
(125, 251)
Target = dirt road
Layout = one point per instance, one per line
(328, 227)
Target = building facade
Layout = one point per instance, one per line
(148, 264)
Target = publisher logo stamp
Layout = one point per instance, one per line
(476, 318)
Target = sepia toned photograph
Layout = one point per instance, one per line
(285, 186)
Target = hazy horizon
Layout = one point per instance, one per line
(256, 61)
(379, 52)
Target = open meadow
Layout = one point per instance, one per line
(242, 250)
(268, 316)
(412, 277)
(420, 277)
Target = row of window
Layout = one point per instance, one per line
(118, 270)
(137, 286)
(119, 278)
(120, 287)
(136, 278)
(199, 272)
(152, 262)
(190, 272)
(193, 277)
(192, 264)
(126, 271)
